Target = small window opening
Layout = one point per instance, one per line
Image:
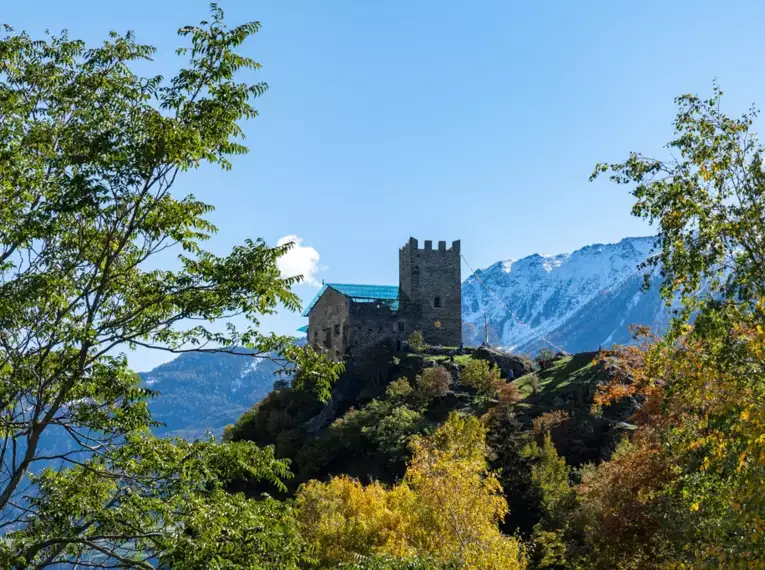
(337, 329)
(401, 327)
(437, 302)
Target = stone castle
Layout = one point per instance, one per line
(345, 318)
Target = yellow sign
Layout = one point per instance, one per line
(437, 324)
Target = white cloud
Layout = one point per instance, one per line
(299, 260)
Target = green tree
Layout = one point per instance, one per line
(707, 203)
(391, 432)
(416, 342)
(399, 390)
(482, 376)
(545, 358)
(89, 157)
(704, 385)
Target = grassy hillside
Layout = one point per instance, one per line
(566, 376)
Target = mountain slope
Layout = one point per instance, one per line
(577, 301)
(204, 391)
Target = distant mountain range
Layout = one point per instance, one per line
(577, 301)
(205, 391)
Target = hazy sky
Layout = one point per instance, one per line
(443, 120)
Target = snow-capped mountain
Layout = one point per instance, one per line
(577, 301)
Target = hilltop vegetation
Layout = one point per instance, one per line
(541, 419)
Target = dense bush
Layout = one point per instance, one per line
(509, 394)
(479, 374)
(399, 390)
(383, 562)
(416, 342)
(434, 382)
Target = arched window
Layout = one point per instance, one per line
(437, 302)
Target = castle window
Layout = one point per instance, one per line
(337, 329)
(437, 302)
(401, 326)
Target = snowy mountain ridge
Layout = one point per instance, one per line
(576, 301)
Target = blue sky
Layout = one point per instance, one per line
(478, 121)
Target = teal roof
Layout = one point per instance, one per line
(303, 329)
(387, 294)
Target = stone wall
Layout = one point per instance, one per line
(328, 324)
(430, 286)
(370, 323)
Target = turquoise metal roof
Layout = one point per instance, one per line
(303, 329)
(387, 294)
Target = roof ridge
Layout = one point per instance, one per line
(357, 291)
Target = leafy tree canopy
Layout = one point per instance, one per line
(446, 509)
(89, 155)
(696, 465)
(707, 203)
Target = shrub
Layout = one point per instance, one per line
(508, 394)
(416, 342)
(481, 376)
(399, 389)
(535, 384)
(434, 382)
(548, 421)
(391, 433)
(545, 358)
(384, 562)
(343, 517)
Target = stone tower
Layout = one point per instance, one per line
(430, 289)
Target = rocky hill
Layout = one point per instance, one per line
(382, 401)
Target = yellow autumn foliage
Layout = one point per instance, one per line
(343, 517)
(447, 508)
